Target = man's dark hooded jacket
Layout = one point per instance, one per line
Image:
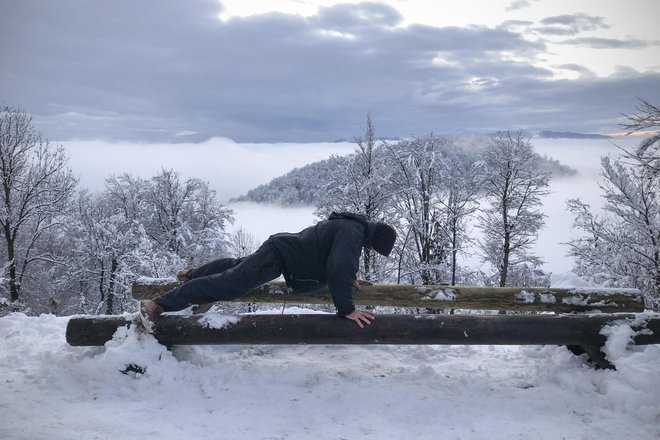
(327, 253)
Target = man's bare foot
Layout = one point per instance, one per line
(149, 313)
(183, 275)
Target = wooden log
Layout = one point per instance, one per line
(440, 297)
(385, 329)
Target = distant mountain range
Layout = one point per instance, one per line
(570, 135)
(546, 134)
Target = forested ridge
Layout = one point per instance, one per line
(305, 185)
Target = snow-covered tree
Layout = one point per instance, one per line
(513, 187)
(435, 182)
(417, 174)
(459, 200)
(647, 154)
(622, 246)
(599, 256)
(129, 195)
(361, 186)
(184, 217)
(100, 237)
(36, 187)
(241, 243)
(120, 234)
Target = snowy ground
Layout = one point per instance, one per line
(52, 391)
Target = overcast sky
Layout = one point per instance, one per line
(309, 71)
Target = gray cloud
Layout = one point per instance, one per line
(171, 71)
(571, 24)
(579, 69)
(579, 20)
(610, 43)
(519, 4)
(351, 16)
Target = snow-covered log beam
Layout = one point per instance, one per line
(441, 297)
(386, 329)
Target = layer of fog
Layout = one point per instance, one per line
(232, 169)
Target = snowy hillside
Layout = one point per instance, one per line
(50, 390)
(308, 184)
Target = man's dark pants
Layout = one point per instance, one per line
(224, 279)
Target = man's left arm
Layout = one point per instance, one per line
(343, 264)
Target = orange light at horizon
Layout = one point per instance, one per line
(634, 133)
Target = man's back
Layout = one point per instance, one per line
(326, 253)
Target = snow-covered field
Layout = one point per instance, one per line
(52, 391)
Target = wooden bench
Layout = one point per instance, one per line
(571, 317)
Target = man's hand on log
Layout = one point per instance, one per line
(359, 283)
(361, 317)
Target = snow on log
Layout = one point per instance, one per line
(559, 300)
(584, 330)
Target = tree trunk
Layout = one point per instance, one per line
(102, 283)
(111, 286)
(505, 259)
(454, 253)
(14, 286)
(367, 259)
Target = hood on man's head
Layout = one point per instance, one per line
(383, 239)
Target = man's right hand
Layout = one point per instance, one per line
(361, 317)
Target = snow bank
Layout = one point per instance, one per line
(567, 280)
(135, 388)
(215, 320)
(151, 281)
